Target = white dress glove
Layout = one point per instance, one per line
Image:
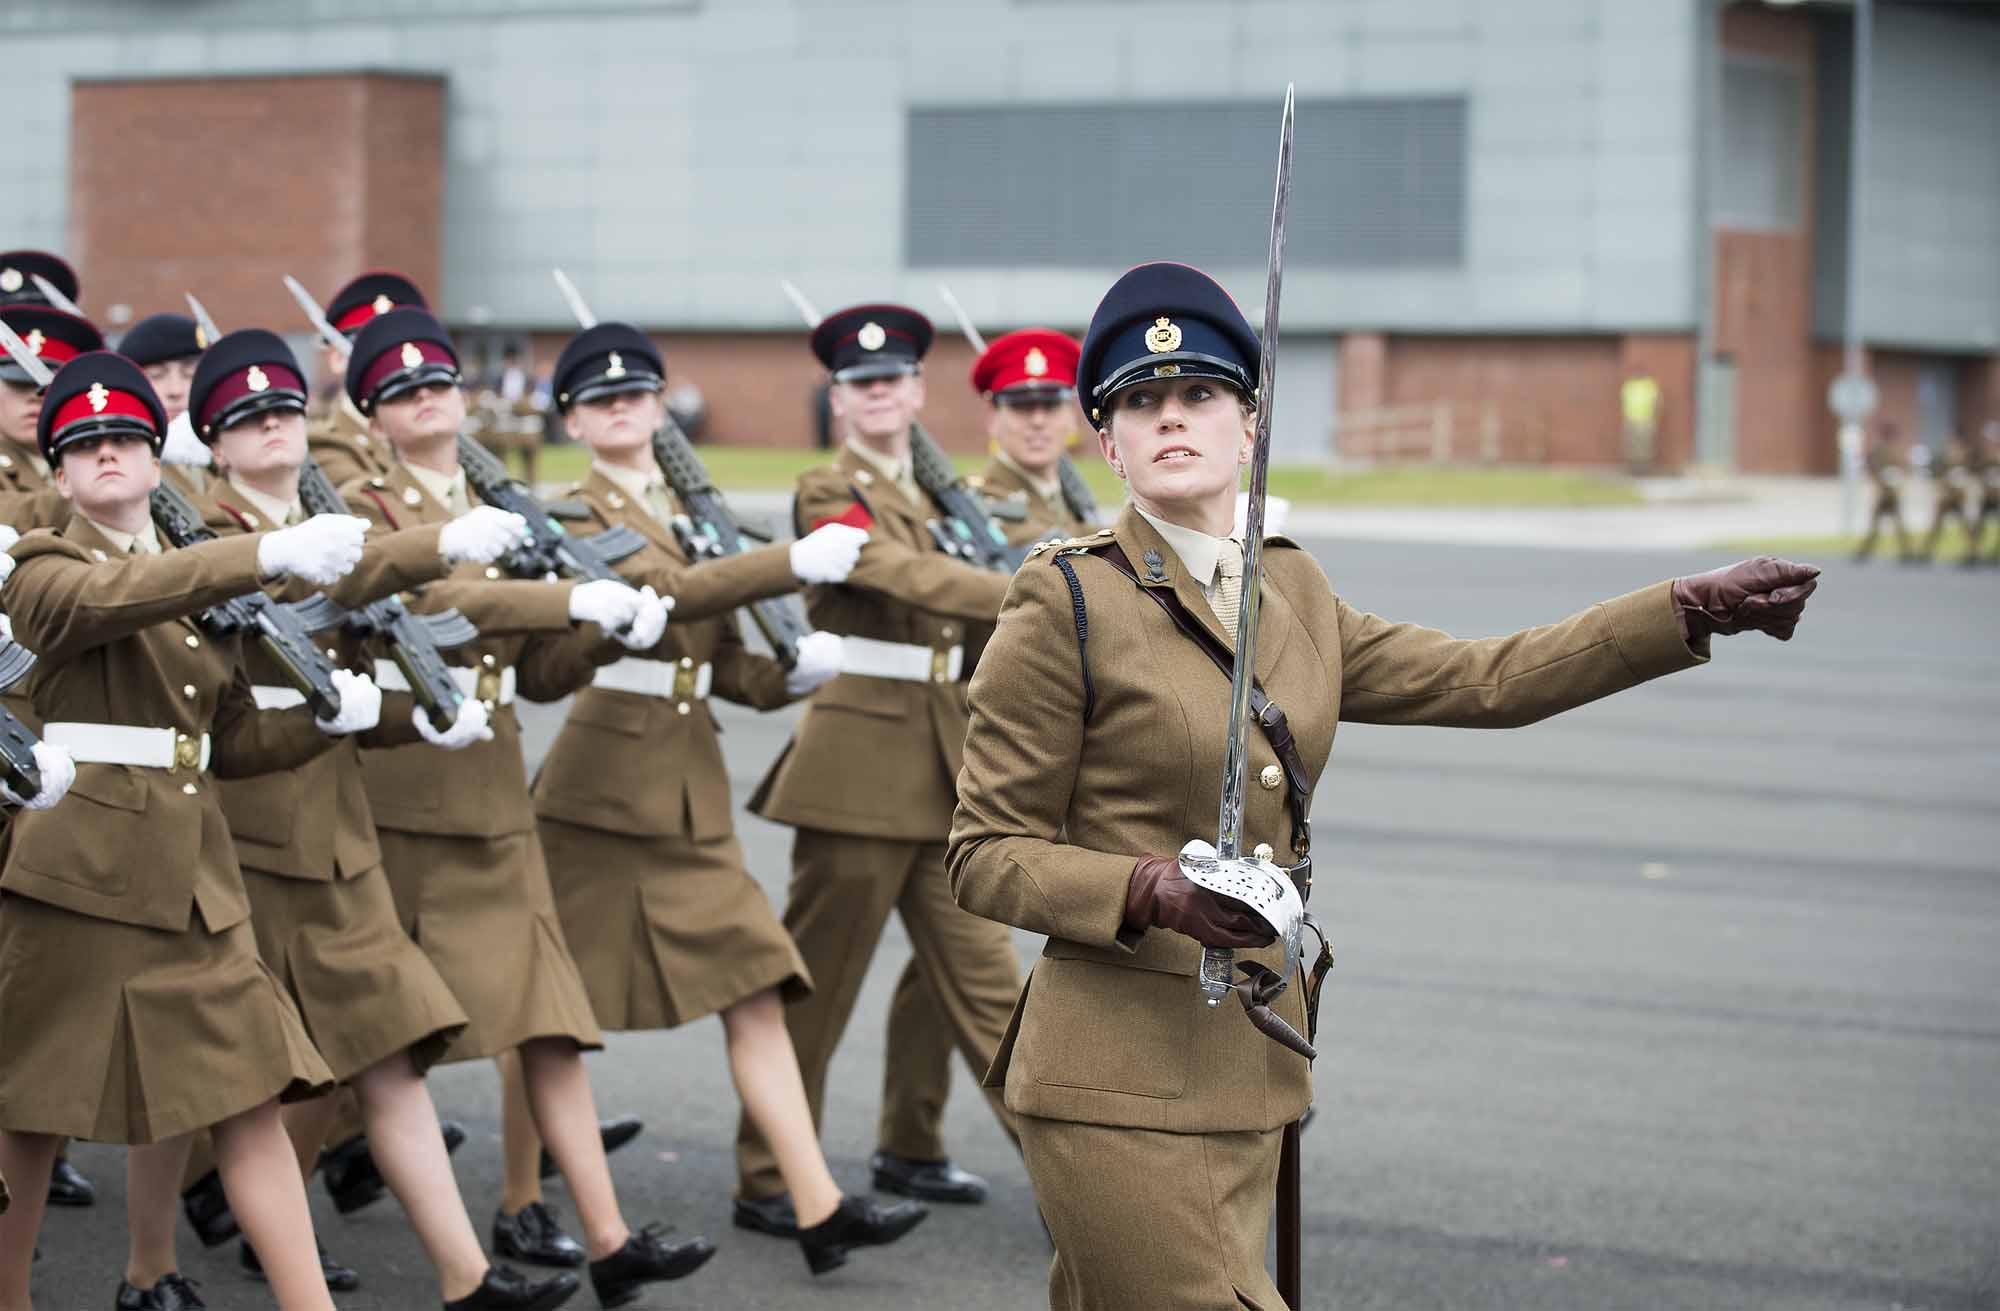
(828, 553)
(649, 623)
(609, 604)
(320, 550)
(58, 771)
(469, 727)
(183, 447)
(360, 705)
(7, 539)
(482, 535)
(819, 660)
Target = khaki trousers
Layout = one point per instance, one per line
(1151, 1221)
(917, 1079)
(842, 893)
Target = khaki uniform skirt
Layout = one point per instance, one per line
(666, 929)
(120, 1034)
(1151, 1221)
(482, 911)
(363, 988)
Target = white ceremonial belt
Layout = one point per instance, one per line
(126, 744)
(495, 685)
(903, 661)
(277, 698)
(676, 680)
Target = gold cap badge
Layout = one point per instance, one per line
(10, 279)
(99, 398)
(617, 368)
(258, 379)
(200, 337)
(412, 357)
(1164, 335)
(35, 340)
(381, 304)
(1037, 363)
(871, 336)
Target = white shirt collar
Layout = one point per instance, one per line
(447, 490)
(277, 512)
(1197, 550)
(638, 486)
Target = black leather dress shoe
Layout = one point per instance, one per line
(933, 1181)
(350, 1176)
(68, 1187)
(646, 1258)
(339, 1278)
(207, 1209)
(768, 1215)
(532, 1235)
(615, 1132)
(507, 1289)
(173, 1292)
(857, 1222)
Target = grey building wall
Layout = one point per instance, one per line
(680, 155)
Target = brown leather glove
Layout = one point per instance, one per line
(1766, 595)
(1160, 896)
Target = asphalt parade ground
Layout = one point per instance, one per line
(1689, 999)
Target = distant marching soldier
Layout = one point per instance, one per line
(1988, 471)
(1889, 473)
(1956, 482)
(338, 433)
(20, 268)
(28, 498)
(167, 347)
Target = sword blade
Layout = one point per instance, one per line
(800, 303)
(964, 319)
(578, 307)
(53, 295)
(210, 334)
(328, 334)
(30, 362)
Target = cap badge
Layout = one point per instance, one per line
(10, 279)
(381, 304)
(99, 397)
(1037, 363)
(200, 337)
(35, 340)
(258, 380)
(1164, 335)
(617, 368)
(871, 336)
(412, 357)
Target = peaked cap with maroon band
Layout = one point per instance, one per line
(17, 277)
(158, 338)
(56, 338)
(1034, 362)
(396, 352)
(370, 296)
(872, 341)
(249, 372)
(99, 394)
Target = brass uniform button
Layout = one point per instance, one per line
(947, 632)
(189, 788)
(1269, 778)
(492, 571)
(1263, 851)
(192, 641)
(188, 691)
(684, 708)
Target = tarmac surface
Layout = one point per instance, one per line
(1689, 999)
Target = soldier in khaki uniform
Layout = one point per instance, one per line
(336, 432)
(28, 498)
(138, 1008)
(1987, 471)
(869, 842)
(1956, 481)
(459, 844)
(1149, 1122)
(167, 347)
(1889, 472)
(633, 800)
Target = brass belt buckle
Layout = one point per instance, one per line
(487, 688)
(187, 753)
(686, 679)
(940, 666)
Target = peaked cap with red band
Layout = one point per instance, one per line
(18, 269)
(56, 338)
(370, 296)
(1037, 362)
(397, 352)
(99, 394)
(872, 341)
(247, 373)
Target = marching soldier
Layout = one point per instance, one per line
(20, 268)
(633, 800)
(28, 498)
(138, 1008)
(1150, 1123)
(1988, 475)
(869, 843)
(337, 433)
(459, 844)
(1888, 471)
(1955, 481)
(167, 347)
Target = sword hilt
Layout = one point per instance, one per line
(1218, 969)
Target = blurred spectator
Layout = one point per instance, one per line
(1639, 402)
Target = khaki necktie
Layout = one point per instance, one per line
(1228, 597)
(659, 503)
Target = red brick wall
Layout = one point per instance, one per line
(1560, 394)
(222, 185)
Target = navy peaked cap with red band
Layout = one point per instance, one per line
(99, 394)
(396, 352)
(17, 277)
(249, 372)
(53, 337)
(370, 296)
(872, 341)
(604, 361)
(1164, 321)
(158, 338)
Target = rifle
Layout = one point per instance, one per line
(285, 630)
(17, 745)
(551, 550)
(416, 642)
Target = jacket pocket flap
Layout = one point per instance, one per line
(111, 785)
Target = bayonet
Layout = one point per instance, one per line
(964, 320)
(328, 334)
(209, 332)
(53, 295)
(30, 363)
(585, 319)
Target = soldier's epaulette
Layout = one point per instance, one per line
(1071, 545)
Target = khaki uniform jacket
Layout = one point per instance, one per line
(911, 735)
(337, 439)
(522, 624)
(1053, 812)
(137, 845)
(645, 765)
(313, 822)
(1002, 484)
(28, 497)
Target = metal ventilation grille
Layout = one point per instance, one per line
(1376, 182)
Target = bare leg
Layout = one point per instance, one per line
(25, 1160)
(566, 1117)
(520, 1144)
(766, 1073)
(261, 1177)
(307, 1124)
(403, 1133)
(152, 1189)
